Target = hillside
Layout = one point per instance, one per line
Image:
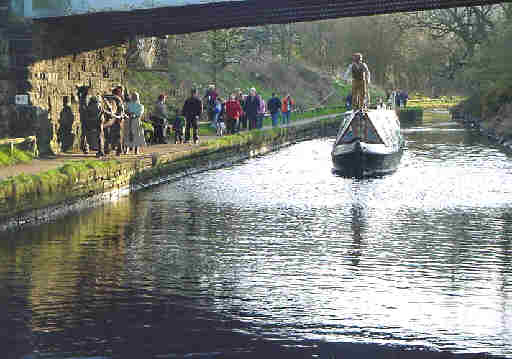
(308, 86)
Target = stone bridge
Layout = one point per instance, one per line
(46, 53)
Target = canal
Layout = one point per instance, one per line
(278, 257)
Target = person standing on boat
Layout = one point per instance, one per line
(360, 81)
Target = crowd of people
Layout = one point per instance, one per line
(241, 112)
(397, 98)
(114, 122)
(236, 113)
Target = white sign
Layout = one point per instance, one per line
(21, 100)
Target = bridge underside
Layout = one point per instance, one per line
(117, 26)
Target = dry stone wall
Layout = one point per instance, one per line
(55, 76)
(51, 73)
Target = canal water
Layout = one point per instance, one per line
(278, 257)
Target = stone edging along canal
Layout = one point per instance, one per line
(469, 121)
(35, 199)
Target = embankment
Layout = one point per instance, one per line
(497, 127)
(28, 200)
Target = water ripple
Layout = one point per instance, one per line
(277, 255)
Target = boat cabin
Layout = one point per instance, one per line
(372, 127)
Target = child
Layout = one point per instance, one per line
(178, 128)
(221, 125)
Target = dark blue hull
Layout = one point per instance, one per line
(369, 143)
(362, 163)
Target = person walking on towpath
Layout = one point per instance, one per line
(251, 107)
(96, 118)
(210, 98)
(217, 113)
(348, 102)
(274, 107)
(287, 106)
(159, 119)
(398, 97)
(117, 129)
(135, 138)
(262, 108)
(65, 133)
(192, 110)
(360, 81)
(233, 113)
(242, 124)
(177, 127)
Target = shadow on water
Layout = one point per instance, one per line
(337, 173)
(357, 225)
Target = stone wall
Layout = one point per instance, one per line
(48, 64)
(54, 76)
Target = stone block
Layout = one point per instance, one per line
(7, 113)
(5, 92)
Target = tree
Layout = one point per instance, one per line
(285, 39)
(258, 39)
(223, 48)
(468, 27)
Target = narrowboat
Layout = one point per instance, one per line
(369, 143)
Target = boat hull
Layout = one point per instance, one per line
(360, 160)
(369, 143)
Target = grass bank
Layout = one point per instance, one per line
(89, 175)
(16, 156)
(206, 129)
(52, 180)
(443, 102)
(308, 86)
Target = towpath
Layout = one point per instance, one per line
(48, 163)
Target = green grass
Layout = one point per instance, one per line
(428, 103)
(206, 130)
(308, 88)
(73, 167)
(66, 170)
(17, 156)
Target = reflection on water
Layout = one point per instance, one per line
(278, 257)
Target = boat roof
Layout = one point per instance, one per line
(385, 123)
